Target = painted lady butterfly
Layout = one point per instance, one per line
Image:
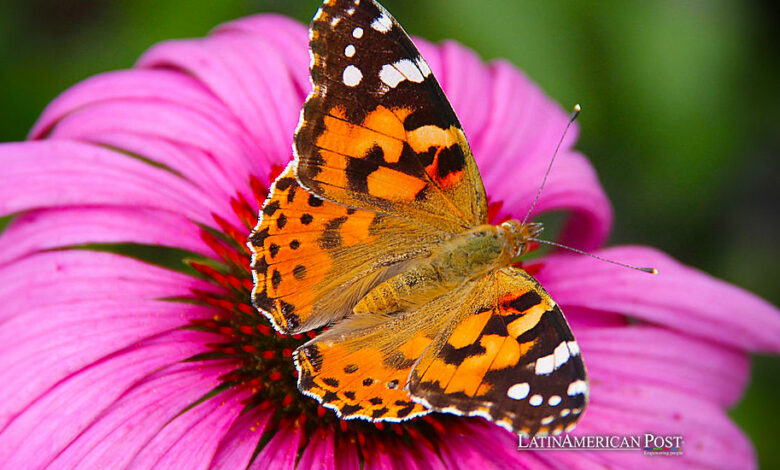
(380, 228)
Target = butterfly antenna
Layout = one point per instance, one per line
(574, 115)
(547, 242)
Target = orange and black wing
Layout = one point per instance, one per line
(499, 348)
(508, 356)
(312, 259)
(361, 366)
(377, 132)
(382, 174)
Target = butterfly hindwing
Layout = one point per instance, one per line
(360, 368)
(377, 132)
(499, 348)
(313, 259)
(509, 356)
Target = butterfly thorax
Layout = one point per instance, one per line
(464, 258)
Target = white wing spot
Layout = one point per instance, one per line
(547, 420)
(578, 387)
(349, 51)
(554, 400)
(390, 76)
(545, 365)
(382, 24)
(357, 33)
(350, 10)
(574, 348)
(561, 354)
(535, 400)
(565, 412)
(393, 74)
(571, 427)
(410, 70)
(423, 66)
(352, 76)
(334, 21)
(518, 391)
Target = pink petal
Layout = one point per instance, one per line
(204, 149)
(679, 297)
(102, 304)
(524, 124)
(379, 459)
(588, 318)
(252, 81)
(710, 437)
(419, 457)
(281, 451)
(279, 33)
(240, 442)
(320, 451)
(484, 445)
(52, 421)
(86, 275)
(575, 460)
(139, 416)
(650, 355)
(126, 85)
(347, 454)
(191, 440)
(57, 173)
(31, 232)
(162, 116)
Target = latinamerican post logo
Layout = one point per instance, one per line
(648, 443)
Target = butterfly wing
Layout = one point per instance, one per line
(508, 356)
(312, 259)
(377, 132)
(504, 352)
(360, 370)
(388, 165)
(361, 366)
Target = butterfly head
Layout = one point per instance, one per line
(519, 235)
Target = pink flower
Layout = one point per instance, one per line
(127, 336)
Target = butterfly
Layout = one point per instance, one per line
(379, 229)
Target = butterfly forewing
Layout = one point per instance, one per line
(377, 131)
(312, 259)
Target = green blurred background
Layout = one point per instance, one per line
(680, 103)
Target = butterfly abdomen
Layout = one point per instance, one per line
(465, 257)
